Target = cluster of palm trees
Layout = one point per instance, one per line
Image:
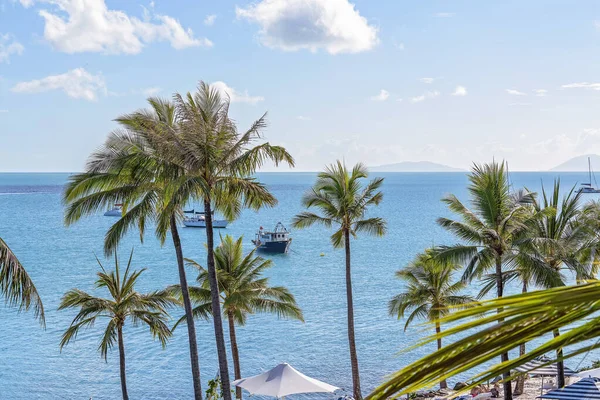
(190, 150)
(504, 236)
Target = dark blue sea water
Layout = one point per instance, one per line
(60, 258)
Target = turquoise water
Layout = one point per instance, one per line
(59, 258)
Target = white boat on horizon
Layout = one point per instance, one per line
(198, 220)
(587, 187)
(116, 211)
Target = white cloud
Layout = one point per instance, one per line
(210, 20)
(585, 141)
(303, 118)
(76, 26)
(519, 104)
(597, 25)
(427, 80)
(3, 111)
(425, 96)
(444, 14)
(514, 92)
(582, 85)
(151, 91)
(291, 25)
(8, 47)
(76, 83)
(460, 91)
(540, 92)
(382, 96)
(234, 95)
(400, 46)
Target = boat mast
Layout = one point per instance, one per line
(590, 171)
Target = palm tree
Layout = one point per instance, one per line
(429, 294)
(344, 201)
(124, 303)
(491, 230)
(222, 162)
(559, 240)
(243, 291)
(479, 337)
(136, 166)
(16, 286)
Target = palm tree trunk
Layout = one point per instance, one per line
(188, 311)
(520, 385)
(122, 362)
(438, 330)
(353, 357)
(235, 354)
(504, 356)
(560, 365)
(216, 303)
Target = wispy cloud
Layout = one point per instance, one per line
(76, 83)
(151, 91)
(582, 85)
(427, 80)
(515, 92)
(382, 96)
(519, 104)
(540, 92)
(3, 111)
(235, 96)
(303, 118)
(9, 46)
(210, 20)
(460, 91)
(425, 96)
(444, 15)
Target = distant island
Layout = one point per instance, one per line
(415, 166)
(579, 163)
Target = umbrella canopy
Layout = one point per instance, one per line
(590, 373)
(585, 389)
(283, 380)
(538, 368)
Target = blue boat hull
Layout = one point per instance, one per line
(275, 247)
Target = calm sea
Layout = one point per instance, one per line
(60, 258)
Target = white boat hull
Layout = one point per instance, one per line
(202, 224)
(113, 213)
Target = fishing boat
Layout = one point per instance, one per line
(587, 187)
(276, 241)
(197, 219)
(116, 211)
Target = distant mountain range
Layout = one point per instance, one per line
(579, 163)
(415, 166)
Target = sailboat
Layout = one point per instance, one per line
(587, 187)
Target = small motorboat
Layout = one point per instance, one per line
(198, 220)
(116, 211)
(276, 241)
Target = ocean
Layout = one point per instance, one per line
(60, 258)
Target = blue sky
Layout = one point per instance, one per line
(372, 81)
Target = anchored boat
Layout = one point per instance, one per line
(116, 211)
(587, 187)
(197, 219)
(276, 241)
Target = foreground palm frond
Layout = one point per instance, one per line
(16, 286)
(525, 318)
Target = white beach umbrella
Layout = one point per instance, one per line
(283, 380)
(590, 373)
(585, 389)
